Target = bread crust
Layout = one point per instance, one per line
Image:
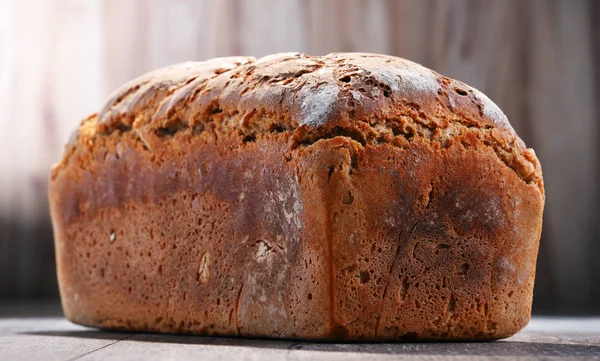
(343, 197)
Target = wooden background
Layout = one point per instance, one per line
(537, 59)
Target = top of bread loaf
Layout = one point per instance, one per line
(368, 97)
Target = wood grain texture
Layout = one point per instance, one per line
(536, 59)
(54, 338)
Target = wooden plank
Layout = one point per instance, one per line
(564, 128)
(53, 338)
(257, 34)
(53, 53)
(50, 339)
(186, 347)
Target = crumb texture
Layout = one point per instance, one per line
(340, 197)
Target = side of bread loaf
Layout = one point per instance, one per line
(348, 197)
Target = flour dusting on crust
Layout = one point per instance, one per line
(417, 79)
(491, 110)
(402, 76)
(318, 102)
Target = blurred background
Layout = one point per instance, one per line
(537, 59)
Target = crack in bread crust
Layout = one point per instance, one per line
(378, 97)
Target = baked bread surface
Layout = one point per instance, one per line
(341, 197)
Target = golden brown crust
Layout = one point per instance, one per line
(350, 196)
(380, 95)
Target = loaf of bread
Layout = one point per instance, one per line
(341, 197)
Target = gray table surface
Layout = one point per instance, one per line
(38, 331)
